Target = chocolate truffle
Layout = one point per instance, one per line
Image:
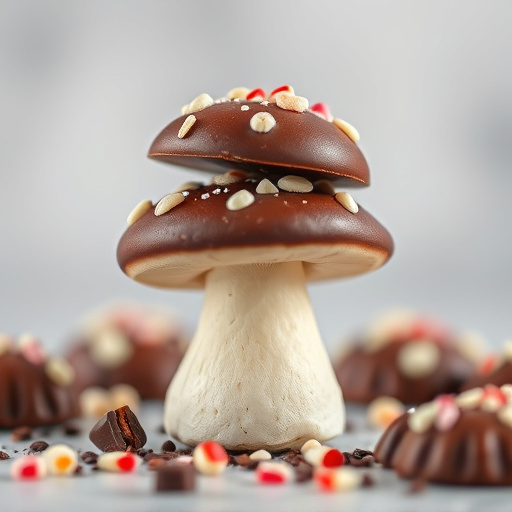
(35, 390)
(462, 440)
(405, 356)
(495, 369)
(127, 344)
(256, 374)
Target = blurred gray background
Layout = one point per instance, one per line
(86, 86)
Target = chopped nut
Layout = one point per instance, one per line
(227, 179)
(260, 455)
(244, 108)
(312, 443)
(470, 399)
(262, 122)
(423, 417)
(347, 129)
(383, 411)
(288, 101)
(168, 202)
(189, 185)
(324, 187)
(139, 211)
(265, 186)
(186, 126)
(418, 359)
(237, 93)
(199, 103)
(347, 201)
(60, 371)
(239, 200)
(286, 89)
(292, 183)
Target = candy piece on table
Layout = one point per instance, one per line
(175, 477)
(312, 443)
(274, 473)
(28, 467)
(383, 411)
(210, 458)
(60, 460)
(117, 431)
(341, 479)
(324, 456)
(260, 455)
(118, 462)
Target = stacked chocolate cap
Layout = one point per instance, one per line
(253, 237)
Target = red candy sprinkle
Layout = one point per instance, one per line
(487, 365)
(333, 459)
(283, 88)
(29, 471)
(126, 463)
(323, 110)
(255, 93)
(214, 451)
(494, 393)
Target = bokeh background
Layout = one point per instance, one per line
(86, 86)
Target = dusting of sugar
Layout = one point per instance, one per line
(244, 107)
(216, 191)
(205, 196)
(185, 193)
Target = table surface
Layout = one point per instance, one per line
(234, 491)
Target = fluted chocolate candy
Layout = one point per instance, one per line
(300, 143)
(117, 431)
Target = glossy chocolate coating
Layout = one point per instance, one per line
(149, 369)
(29, 397)
(286, 223)
(477, 450)
(366, 375)
(499, 376)
(300, 143)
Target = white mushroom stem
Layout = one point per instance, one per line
(256, 374)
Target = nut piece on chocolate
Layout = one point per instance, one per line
(118, 430)
(256, 374)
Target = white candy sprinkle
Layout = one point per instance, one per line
(185, 193)
(60, 460)
(423, 417)
(292, 183)
(139, 211)
(274, 473)
(312, 443)
(185, 127)
(260, 455)
(470, 399)
(288, 101)
(205, 195)
(60, 371)
(217, 191)
(239, 200)
(264, 103)
(210, 458)
(323, 456)
(28, 467)
(237, 93)
(347, 201)
(118, 462)
(418, 359)
(265, 186)
(340, 479)
(347, 129)
(262, 122)
(199, 103)
(244, 108)
(383, 411)
(168, 202)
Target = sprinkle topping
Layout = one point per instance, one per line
(186, 126)
(262, 122)
(293, 183)
(168, 202)
(239, 200)
(347, 201)
(139, 211)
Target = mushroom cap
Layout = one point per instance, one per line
(178, 248)
(300, 143)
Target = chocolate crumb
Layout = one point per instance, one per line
(79, 470)
(186, 451)
(38, 446)
(358, 453)
(72, 429)
(367, 481)
(243, 460)
(303, 472)
(89, 457)
(142, 452)
(23, 433)
(293, 457)
(359, 458)
(4, 456)
(168, 446)
(161, 430)
(175, 477)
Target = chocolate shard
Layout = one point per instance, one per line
(118, 430)
(175, 477)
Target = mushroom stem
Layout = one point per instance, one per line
(256, 374)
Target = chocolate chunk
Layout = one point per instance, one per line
(303, 472)
(38, 446)
(72, 429)
(293, 457)
(168, 446)
(89, 457)
(358, 453)
(175, 477)
(367, 481)
(417, 485)
(4, 456)
(118, 430)
(21, 433)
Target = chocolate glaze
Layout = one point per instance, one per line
(366, 375)
(476, 451)
(300, 143)
(29, 397)
(287, 221)
(499, 376)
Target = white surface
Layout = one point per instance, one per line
(234, 491)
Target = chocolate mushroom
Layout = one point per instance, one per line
(256, 374)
